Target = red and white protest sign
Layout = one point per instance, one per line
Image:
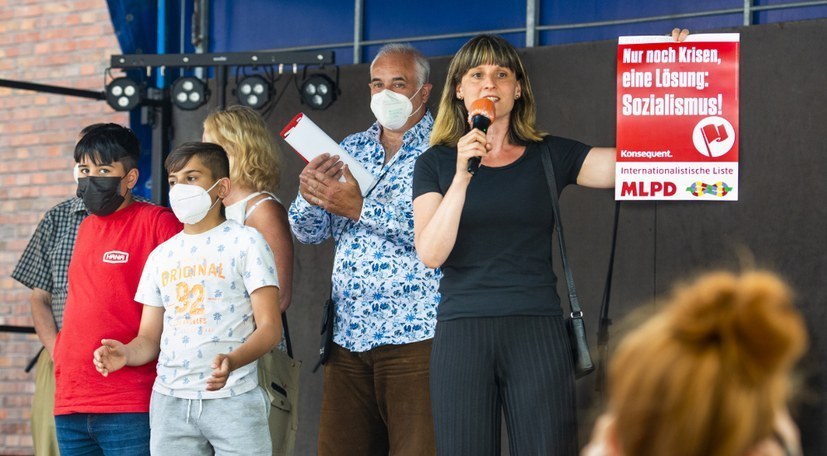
(677, 118)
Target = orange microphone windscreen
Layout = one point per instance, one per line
(482, 106)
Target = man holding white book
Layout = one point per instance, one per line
(376, 397)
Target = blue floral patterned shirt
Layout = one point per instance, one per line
(383, 294)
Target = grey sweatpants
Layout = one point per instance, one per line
(227, 426)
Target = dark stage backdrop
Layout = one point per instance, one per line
(774, 225)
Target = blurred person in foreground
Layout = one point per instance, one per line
(709, 375)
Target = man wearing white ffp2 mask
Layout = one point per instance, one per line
(392, 109)
(386, 316)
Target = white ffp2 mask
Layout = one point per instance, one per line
(392, 109)
(191, 203)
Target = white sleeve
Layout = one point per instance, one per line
(259, 264)
(149, 293)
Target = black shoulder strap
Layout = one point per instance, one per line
(287, 340)
(551, 180)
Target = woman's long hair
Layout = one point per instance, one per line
(255, 158)
(451, 121)
(706, 376)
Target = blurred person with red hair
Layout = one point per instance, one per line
(709, 375)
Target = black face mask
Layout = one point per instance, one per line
(102, 195)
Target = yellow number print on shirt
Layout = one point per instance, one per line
(191, 300)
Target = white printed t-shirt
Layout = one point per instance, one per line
(204, 282)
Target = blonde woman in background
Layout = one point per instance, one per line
(709, 375)
(255, 167)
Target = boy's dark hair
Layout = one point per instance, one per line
(91, 127)
(213, 156)
(108, 143)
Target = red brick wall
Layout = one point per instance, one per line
(64, 43)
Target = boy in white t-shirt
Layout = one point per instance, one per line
(210, 296)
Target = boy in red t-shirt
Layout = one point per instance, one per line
(95, 414)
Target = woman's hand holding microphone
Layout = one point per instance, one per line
(472, 147)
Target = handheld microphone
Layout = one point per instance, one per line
(480, 117)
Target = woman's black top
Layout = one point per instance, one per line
(501, 262)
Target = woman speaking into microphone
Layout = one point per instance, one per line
(500, 340)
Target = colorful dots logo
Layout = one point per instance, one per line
(719, 189)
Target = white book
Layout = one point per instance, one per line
(310, 141)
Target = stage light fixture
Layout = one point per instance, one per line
(318, 91)
(123, 94)
(189, 93)
(253, 91)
